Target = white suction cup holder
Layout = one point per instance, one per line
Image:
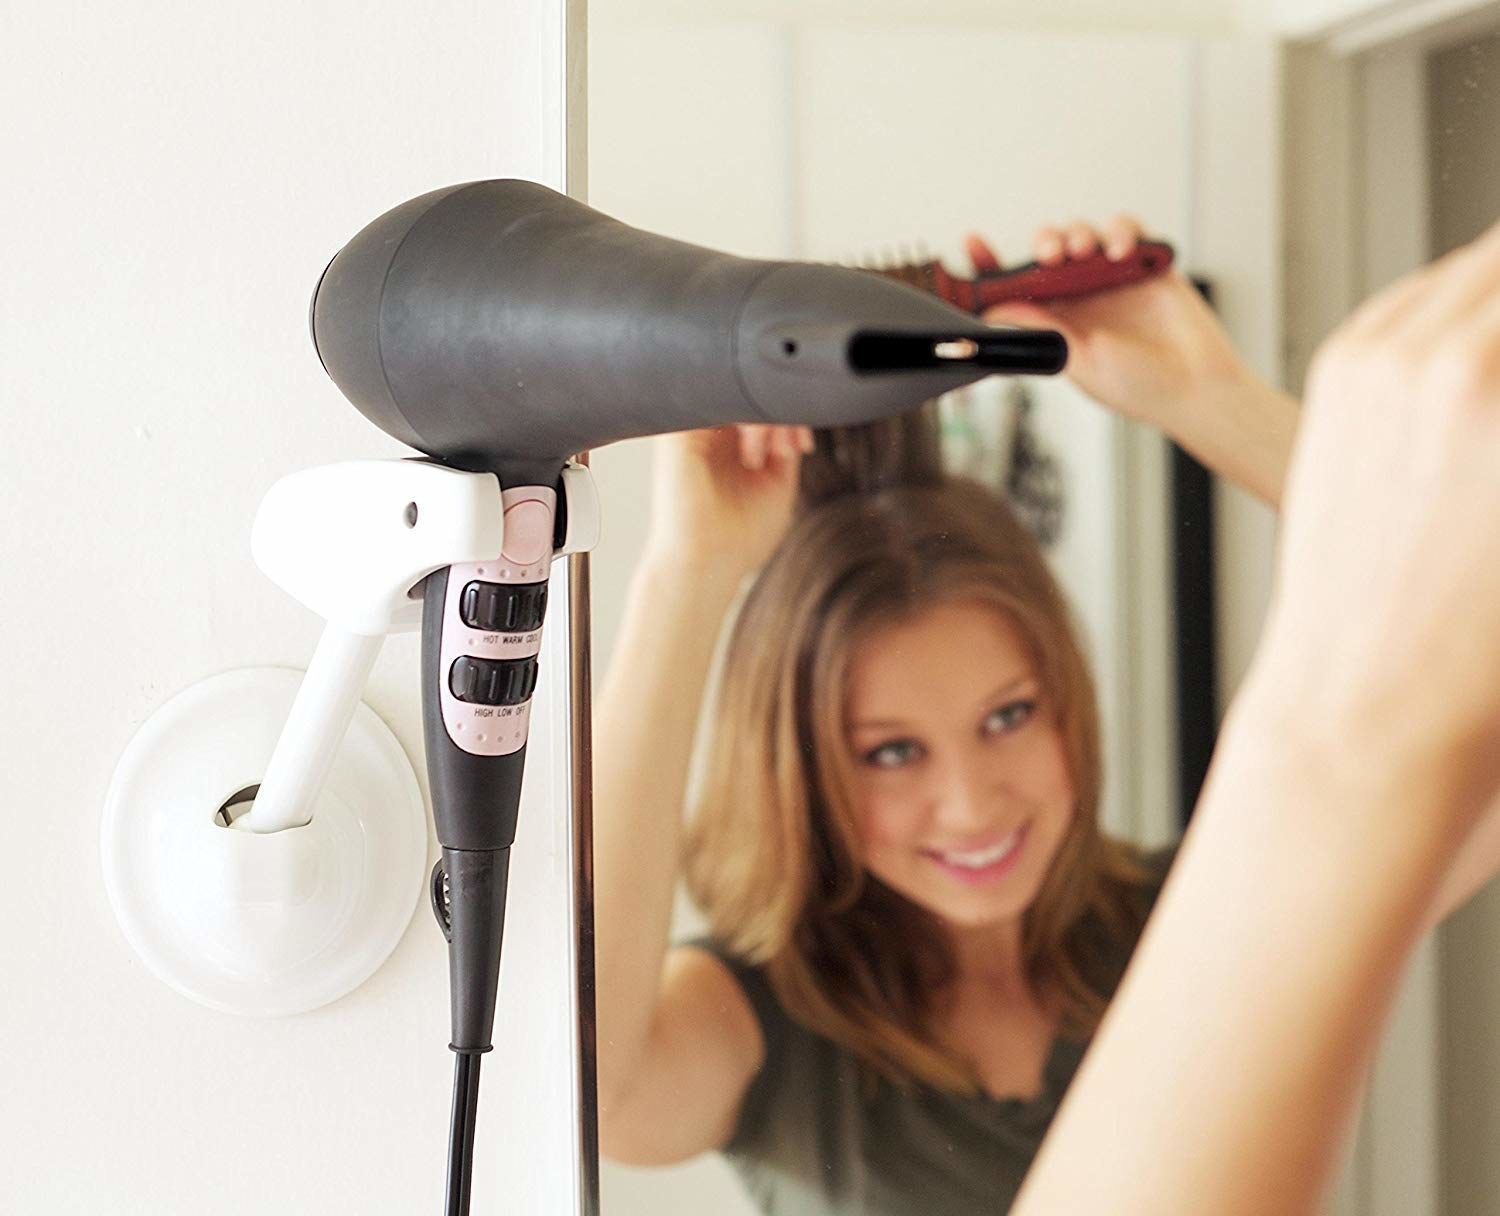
(264, 837)
(260, 924)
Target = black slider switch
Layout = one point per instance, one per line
(492, 681)
(504, 607)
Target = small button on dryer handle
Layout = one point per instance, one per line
(492, 681)
(528, 533)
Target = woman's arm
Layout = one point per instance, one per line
(1353, 768)
(1224, 1076)
(1241, 428)
(677, 1041)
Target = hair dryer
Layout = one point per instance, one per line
(499, 327)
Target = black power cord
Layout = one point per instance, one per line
(461, 1133)
(468, 899)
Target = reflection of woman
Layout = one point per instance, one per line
(897, 819)
(915, 922)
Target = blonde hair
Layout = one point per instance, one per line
(773, 856)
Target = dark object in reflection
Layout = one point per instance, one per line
(1034, 483)
(1195, 616)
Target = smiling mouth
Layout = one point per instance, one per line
(988, 858)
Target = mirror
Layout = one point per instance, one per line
(1295, 167)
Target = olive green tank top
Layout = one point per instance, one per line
(816, 1137)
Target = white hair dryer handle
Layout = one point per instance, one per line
(309, 741)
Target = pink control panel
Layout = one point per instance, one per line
(492, 631)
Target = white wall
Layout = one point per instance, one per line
(176, 176)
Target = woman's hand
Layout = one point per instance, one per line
(1155, 352)
(726, 494)
(1146, 350)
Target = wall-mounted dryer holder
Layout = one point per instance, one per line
(264, 837)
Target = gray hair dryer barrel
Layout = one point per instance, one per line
(501, 326)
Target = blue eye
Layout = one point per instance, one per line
(895, 754)
(1008, 718)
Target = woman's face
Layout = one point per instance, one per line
(961, 781)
